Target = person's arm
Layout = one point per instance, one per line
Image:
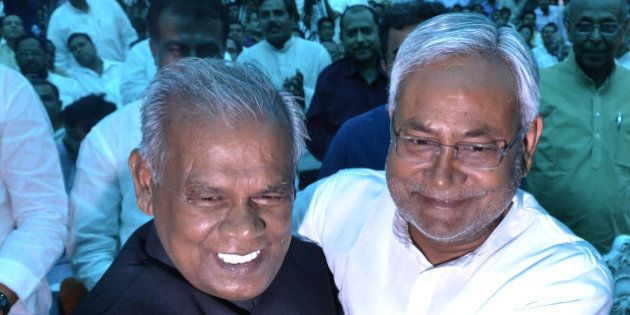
(53, 32)
(126, 31)
(95, 201)
(330, 11)
(33, 186)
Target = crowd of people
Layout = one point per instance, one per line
(445, 156)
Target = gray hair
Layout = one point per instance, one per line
(457, 34)
(217, 89)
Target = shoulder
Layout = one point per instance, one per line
(622, 75)
(122, 120)
(353, 180)
(350, 194)
(119, 282)
(252, 52)
(554, 246)
(13, 89)
(541, 265)
(308, 44)
(377, 115)
(117, 134)
(304, 283)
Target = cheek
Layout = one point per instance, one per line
(278, 224)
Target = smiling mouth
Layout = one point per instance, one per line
(445, 204)
(238, 259)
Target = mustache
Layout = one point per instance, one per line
(453, 195)
(272, 25)
(362, 45)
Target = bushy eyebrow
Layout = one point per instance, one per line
(201, 188)
(481, 131)
(282, 187)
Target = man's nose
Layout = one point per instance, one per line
(596, 34)
(241, 221)
(445, 170)
(360, 37)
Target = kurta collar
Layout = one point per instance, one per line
(287, 45)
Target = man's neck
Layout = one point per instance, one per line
(369, 70)
(600, 75)
(279, 45)
(97, 66)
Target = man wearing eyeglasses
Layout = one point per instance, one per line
(445, 229)
(581, 173)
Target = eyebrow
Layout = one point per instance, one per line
(198, 187)
(282, 187)
(484, 130)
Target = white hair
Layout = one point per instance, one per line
(457, 34)
(216, 89)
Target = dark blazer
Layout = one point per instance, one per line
(143, 280)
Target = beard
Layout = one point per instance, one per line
(485, 216)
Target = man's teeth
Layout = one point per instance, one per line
(238, 259)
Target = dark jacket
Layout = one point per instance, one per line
(142, 280)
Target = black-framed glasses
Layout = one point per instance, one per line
(586, 28)
(476, 155)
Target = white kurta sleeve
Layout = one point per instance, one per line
(33, 202)
(95, 202)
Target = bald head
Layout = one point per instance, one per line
(596, 29)
(618, 7)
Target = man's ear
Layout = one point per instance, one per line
(142, 181)
(531, 141)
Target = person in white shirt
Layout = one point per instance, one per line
(292, 63)
(105, 22)
(12, 28)
(547, 13)
(139, 69)
(94, 74)
(445, 229)
(30, 54)
(33, 203)
(102, 199)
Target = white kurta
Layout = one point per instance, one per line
(529, 264)
(33, 203)
(102, 200)
(108, 83)
(308, 57)
(106, 24)
(138, 71)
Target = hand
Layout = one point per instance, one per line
(295, 86)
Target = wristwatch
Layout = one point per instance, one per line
(5, 305)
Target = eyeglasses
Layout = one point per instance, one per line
(476, 155)
(586, 28)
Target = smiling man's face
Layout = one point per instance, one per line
(596, 49)
(223, 204)
(459, 100)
